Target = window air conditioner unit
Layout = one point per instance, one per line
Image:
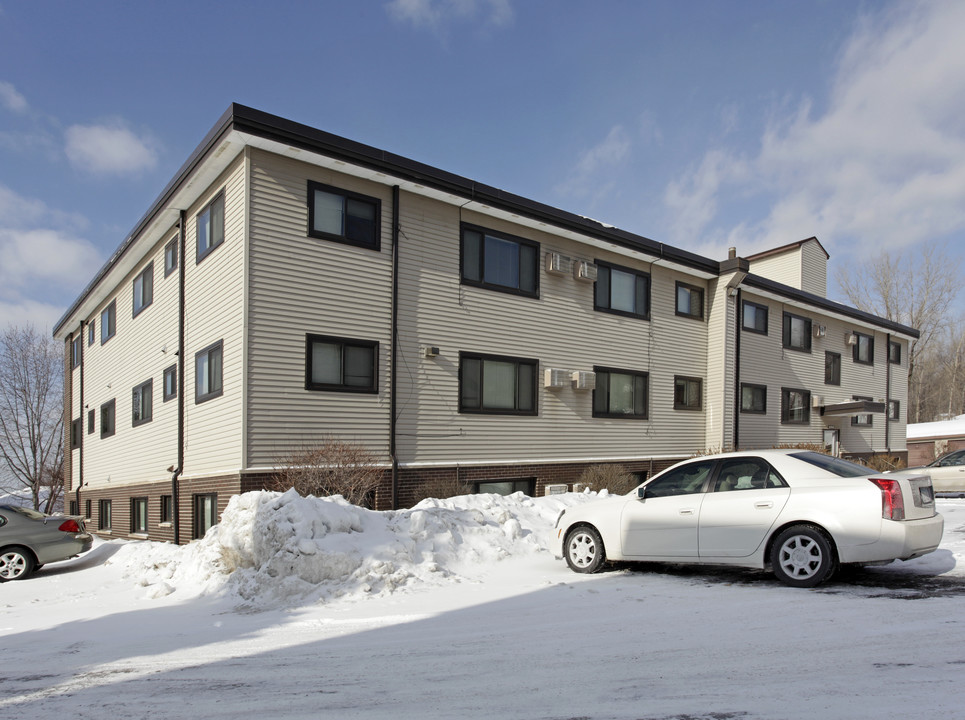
(557, 263)
(850, 338)
(584, 380)
(820, 331)
(555, 489)
(555, 378)
(584, 270)
(817, 401)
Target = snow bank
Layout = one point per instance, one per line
(275, 549)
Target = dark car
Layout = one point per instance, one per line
(29, 539)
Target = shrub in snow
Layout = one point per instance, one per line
(333, 467)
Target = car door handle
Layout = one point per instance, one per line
(686, 511)
(764, 504)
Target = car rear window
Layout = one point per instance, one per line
(835, 466)
(26, 512)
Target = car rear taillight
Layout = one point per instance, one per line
(892, 501)
(69, 526)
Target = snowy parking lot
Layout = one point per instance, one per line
(303, 608)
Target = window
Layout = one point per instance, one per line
(142, 403)
(91, 332)
(863, 349)
(499, 262)
(87, 509)
(894, 410)
(620, 393)
(506, 487)
(103, 514)
(207, 372)
(170, 257)
(894, 352)
(139, 515)
(144, 289)
(747, 473)
(210, 227)
(494, 384)
(205, 513)
(622, 291)
(755, 317)
(167, 509)
(75, 352)
(74, 509)
(76, 429)
(340, 364)
(344, 216)
(685, 480)
(91, 421)
(690, 301)
(797, 332)
(107, 419)
(795, 406)
(865, 419)
(170, 382)
(108, 321)
(687, 393)
(754, 399)
(832, 368)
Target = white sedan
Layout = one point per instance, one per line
(798, 512)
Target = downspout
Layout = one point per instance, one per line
(888, 393)
(393, 388)
(737, 372)
(175, 485)
(83, 421)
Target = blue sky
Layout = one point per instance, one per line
(702, 124)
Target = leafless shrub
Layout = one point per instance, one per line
(882, 463)
(614, 478)
(440, 487)
(333, 467)
(813, 447)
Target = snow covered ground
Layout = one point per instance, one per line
(297, 608)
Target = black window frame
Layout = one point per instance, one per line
(142, 403)
(200, 526)
(343, 237)
(166, 509)
(894, 352)
(87, 508)
(91, 332)
(170, 373)
(832, 368)
(786, 334)
(146, 278)
(217, 202)
(482, 358)
(137, 529)
(76, 430)
(865, 420)
(481, 282)
(75, 351)
(604, 281)
(786, 406)
(603, 386)
(91, 421)
(105, 513)
(894, 416)
(525, 485)
(700, 393)
(171, 256)
(692, 289)
(758, 310)
(342, 342)
(108, 415)
(200, 397)
(751, 410)
(109, 321)
(856, 349)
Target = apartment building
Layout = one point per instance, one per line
(290, 285)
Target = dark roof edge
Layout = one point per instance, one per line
(763, 283)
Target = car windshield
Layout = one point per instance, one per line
(26, 512)
(835, 466)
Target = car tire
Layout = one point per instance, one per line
(16, 563)
(802, 556)
(584, 550)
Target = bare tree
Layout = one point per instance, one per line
(332, 467)
(31, 413)
(915, 288)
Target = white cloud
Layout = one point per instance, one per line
(11, 99)
(109, 149)
(436, 14)
(42, 256)
(41, 315)
(883, 166)
(590, 176)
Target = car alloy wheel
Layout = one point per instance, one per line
(802, 556)
(14, 564)
(584, 550)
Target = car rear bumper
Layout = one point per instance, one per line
(899, 540)
(66, 548)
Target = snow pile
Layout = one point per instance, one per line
(274, 549)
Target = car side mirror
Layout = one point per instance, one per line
(642, 492)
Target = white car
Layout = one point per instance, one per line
(947, 473)
(800, 513)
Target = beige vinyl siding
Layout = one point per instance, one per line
(783, 267)
(299, 285)
(560, 329)
(141, 349)
(214, 310)
(814, 269)
(719, 386)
